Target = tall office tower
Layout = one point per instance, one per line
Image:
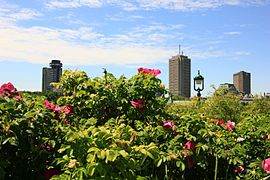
(179, 75)
(241, 81)
(52, 74)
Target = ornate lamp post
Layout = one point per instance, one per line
(198, 84)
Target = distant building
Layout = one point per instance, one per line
(52, 74)
(227, 87)
(241, 81)
(180, 75)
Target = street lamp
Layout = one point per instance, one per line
(198, 83)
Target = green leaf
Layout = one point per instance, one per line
(91, 157)
(159, 162)
(101, 154)
(63, 149)
(123, 153)
(111, 155)
(93, 149)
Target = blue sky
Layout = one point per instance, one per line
(222, 37)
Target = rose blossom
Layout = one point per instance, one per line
(139, 104)
(190, 145)
(7, 89)
(217, 120)
(72, 163)
(266, 137)
(239, 169)
(168, 125)
(47, 104)
(68, 109)
(53, 107)
(230, 125)
(221, 122)
(266, 165)
(239, 139)
(19, 96)
(10, 87)
(57, 109)
(155, 72)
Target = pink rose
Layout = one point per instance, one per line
(7, 89)
(53, 107)
(57, 109)
(217, 120)
(266, 137)
(230, 125)
(239, 169)
(68, 109)
(168, 125)
(266, 165)
(47, 104)
(139, 104)
(221, 122)
(239, 139)
(10, 87)
(19, 96)
(190, 145)
(155, 72)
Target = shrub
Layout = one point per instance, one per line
(119, 128)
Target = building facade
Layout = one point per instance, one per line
(52, 74)
(228, 87)
(242, 83)
(180, 75)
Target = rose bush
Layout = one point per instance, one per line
(119, 128)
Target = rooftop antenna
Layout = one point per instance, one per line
(179, 49)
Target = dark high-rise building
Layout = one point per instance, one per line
(180, 75)
(52, 74)
(241, 81)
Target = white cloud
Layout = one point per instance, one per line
(179, 5)
(242, 53)
(39, 44)
(150, 35)
(207, 54)
(84, 46)
(11, 12)
(73, 3)
(232, 33)
(123, 17)
(24, 14)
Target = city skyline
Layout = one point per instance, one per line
(221, 38)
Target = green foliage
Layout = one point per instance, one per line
(25, 129)
(225, 107)
(119, 128)
(259, 106)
